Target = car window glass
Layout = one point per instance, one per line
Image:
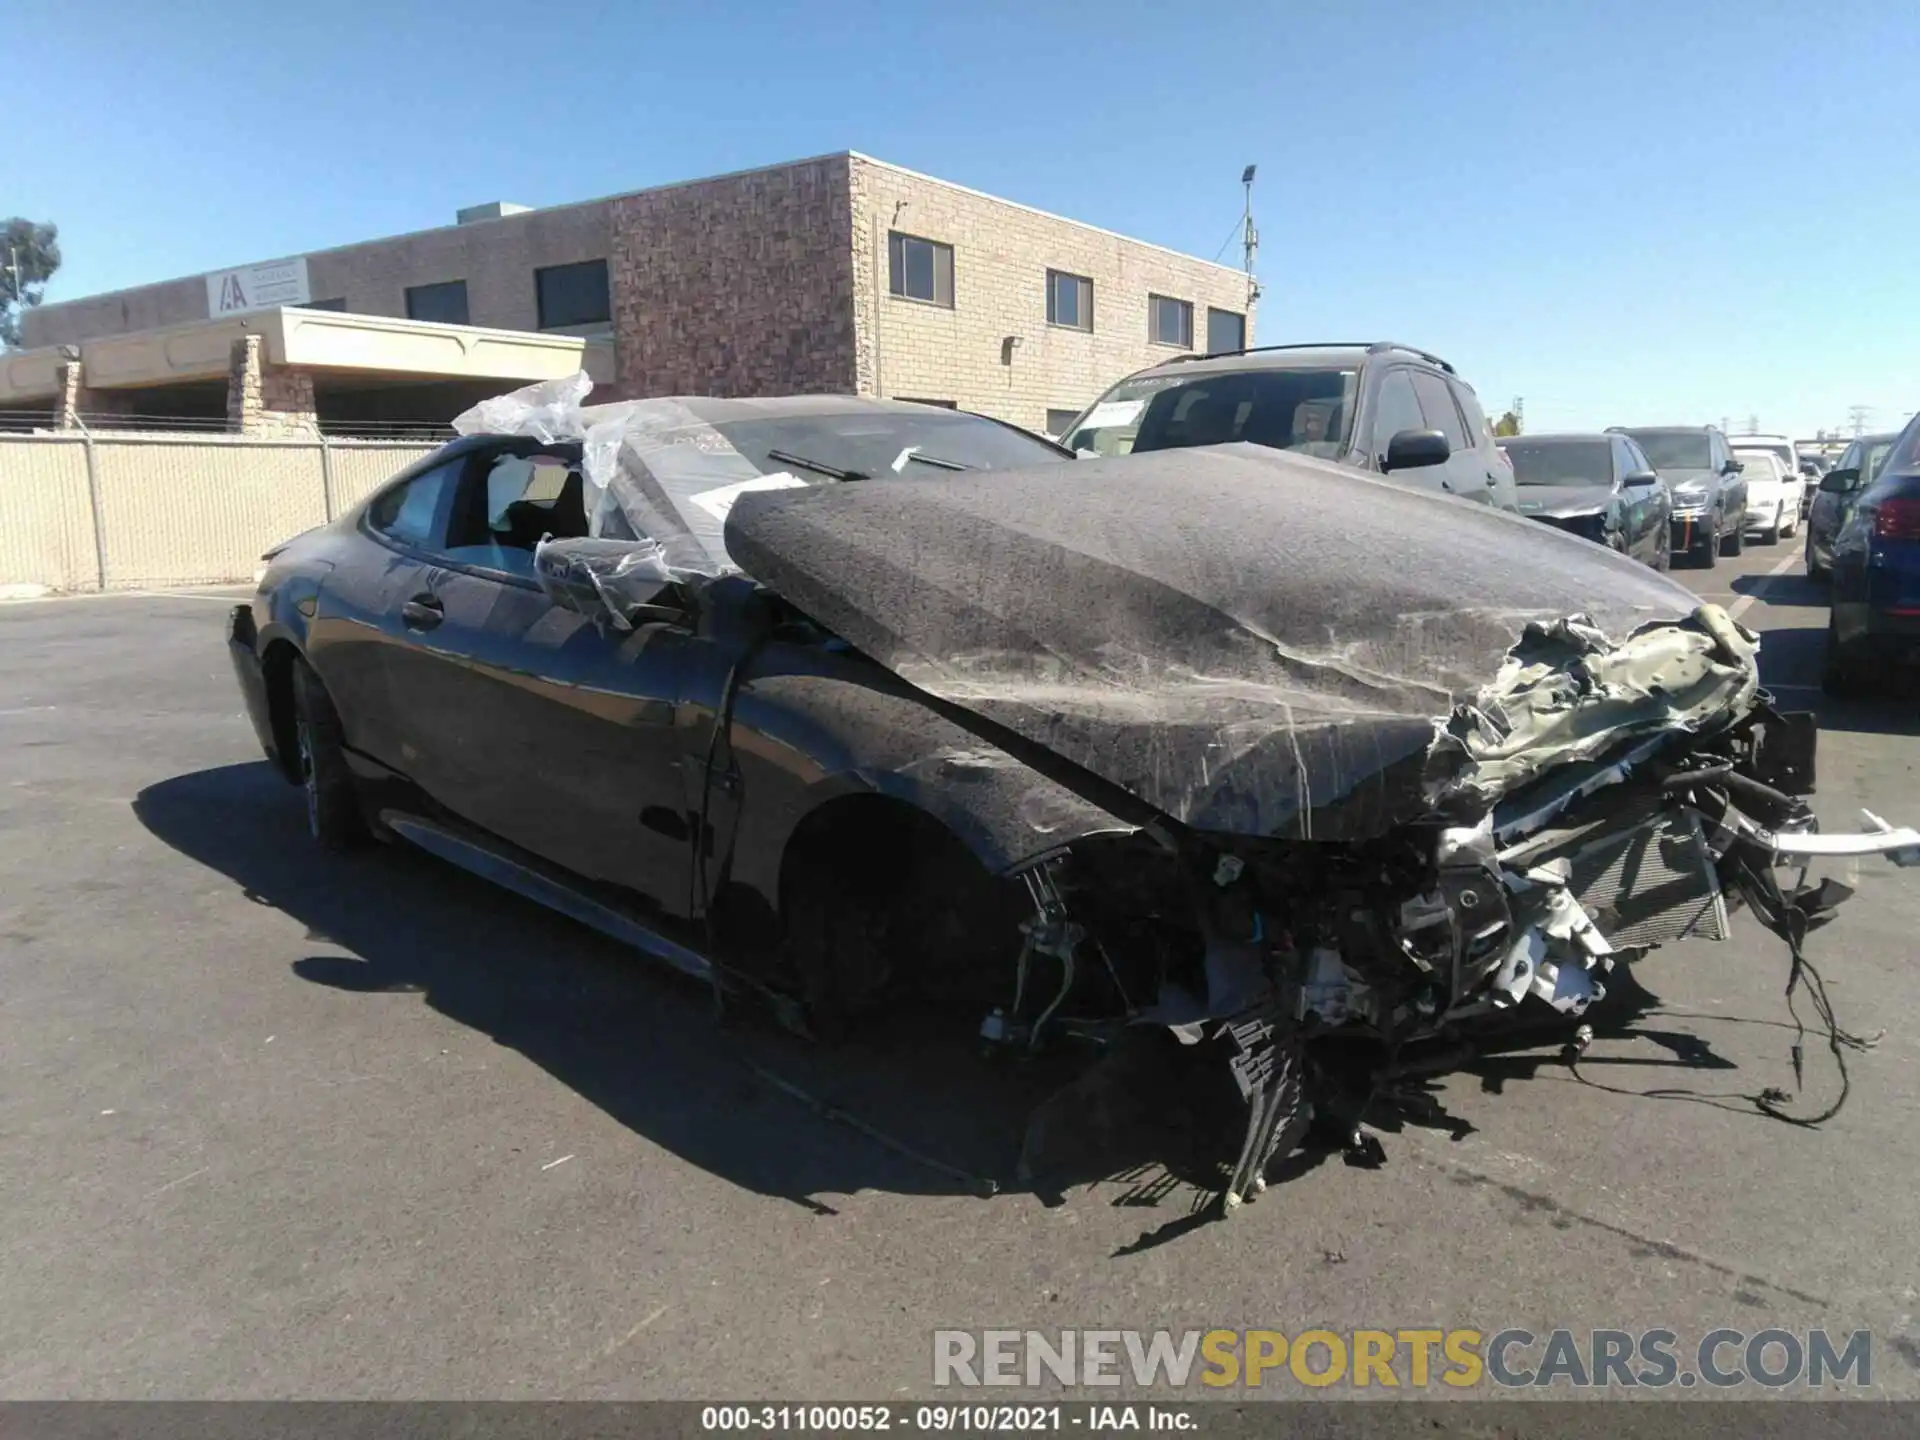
(1478, 431)
(1436, 404)
(1395, 408)
(508, 504)
(412, 512)
(1308, 410)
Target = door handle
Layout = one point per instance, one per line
(423, 612)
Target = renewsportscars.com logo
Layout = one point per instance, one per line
(1410, 1359)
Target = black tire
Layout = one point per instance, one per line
(1842, 675)
(333, 808)
(1707, 551)
(1735, 540)
(1663, 551)
(917, 919)
(1771, 535)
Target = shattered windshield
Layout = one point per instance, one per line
(1310, 411)
(1560, 462)
(1675, 449)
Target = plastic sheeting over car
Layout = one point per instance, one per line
(1252, 641)
(657, 474)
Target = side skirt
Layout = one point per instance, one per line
(475, 856)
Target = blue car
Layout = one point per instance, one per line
(1875, 622)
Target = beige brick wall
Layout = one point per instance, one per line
(496, 258)
(742, 285)
(1002, 252)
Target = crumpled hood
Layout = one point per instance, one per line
(1563, 502)
(1248, 640)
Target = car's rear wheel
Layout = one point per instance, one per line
(1842, 673)
(333, 809)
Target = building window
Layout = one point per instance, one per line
(1069, 300)
(1170, 322)
(444, 304)
(920, 269)
(573, 294)
(1226, 331)
(340, 304)
(1059, 420)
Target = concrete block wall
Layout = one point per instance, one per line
(1001, 254)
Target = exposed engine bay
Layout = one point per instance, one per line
(1441, 931)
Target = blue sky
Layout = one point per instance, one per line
(1625, 212)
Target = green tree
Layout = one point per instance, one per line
(1507, 424)
(29, 254)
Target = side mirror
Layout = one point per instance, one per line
(1732, 467)
(617, 583)
(1415, 450)
(1641, 478)
(1839, 482)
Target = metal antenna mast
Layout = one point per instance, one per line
(1249, 237)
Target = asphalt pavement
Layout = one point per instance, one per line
(277, 1124)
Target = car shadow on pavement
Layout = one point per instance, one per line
(912, 1109)
(1790, 664)
(1789, 588)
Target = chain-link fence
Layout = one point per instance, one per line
(124, 511)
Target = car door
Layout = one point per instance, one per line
(1466, 472)
(529, 720)
(1733, 487)
(356, 629)
(1503, 491)
(1629, 502)
(1653, 504)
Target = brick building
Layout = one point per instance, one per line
(837, 274)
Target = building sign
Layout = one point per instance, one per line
(257, 287)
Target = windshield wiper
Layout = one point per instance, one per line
(934, 460)
(832, 472)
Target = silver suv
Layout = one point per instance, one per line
(1383, 407)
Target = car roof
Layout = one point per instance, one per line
(1313, 355)
(1661, 429)
(1756, 437)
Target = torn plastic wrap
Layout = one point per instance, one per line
(1251, 641)
(610, 578)
(655, 474)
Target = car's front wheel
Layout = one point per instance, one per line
(1707, 548)
(1771, 534)
(333, 809)
(1735, 540)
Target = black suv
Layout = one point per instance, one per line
(1709, 497)
(1381, 407)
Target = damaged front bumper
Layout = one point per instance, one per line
(1616, 797)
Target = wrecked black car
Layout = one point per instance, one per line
(1187, 742)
